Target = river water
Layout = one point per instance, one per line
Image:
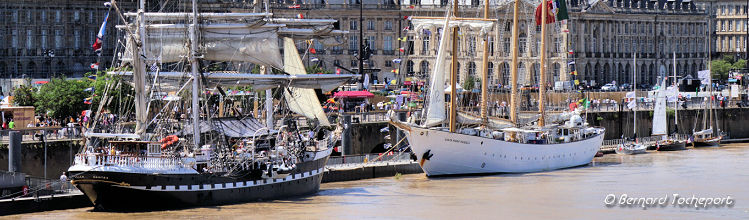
(576, 193)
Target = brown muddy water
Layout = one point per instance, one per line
(576, 193)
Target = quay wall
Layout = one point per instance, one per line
(60, 156)
(733, 121)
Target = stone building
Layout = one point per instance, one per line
(43, 38)
(424, 44)
(729, 21)
(606, 34)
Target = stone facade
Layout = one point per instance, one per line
(729, 20)
(31, 29)
(606, 34)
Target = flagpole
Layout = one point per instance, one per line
(454, 72)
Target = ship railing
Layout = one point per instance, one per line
(147, 162)
(358, 160)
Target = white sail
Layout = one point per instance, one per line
(301, 101)
(659, 113)
(222, 42)
(435, 114)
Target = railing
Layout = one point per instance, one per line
(367, 158)
(609, 145)
(49, 133)
(159, 163)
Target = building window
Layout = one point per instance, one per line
(58, 39)
(410, 46)
(472, 70)
(388, 25)
(490, 73)
(505, 73)
(491, 46)
(506, 46)
(371, 41)
(76, 16)
(410, 67)
(424, 68)
(29, 39)
(353, 42)
(730, 25)
(91, 17)
(14, 38)
(472, 45)
(57, 16)
(521, 44)
(15, 16)
(44, 39)
(371, 25)
(77, 39)
(425, 45)
(557, 45)
(43, 16)
(354, 63)
(387, 43)
(352, 24)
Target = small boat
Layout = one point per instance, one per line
(705, 138)
(670, 145)
(631, 148)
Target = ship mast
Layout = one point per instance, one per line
(634, 89)
(485, 74)
(139, 73)
(513, 67)
(454, 72)
(195, 76)
(542, 79)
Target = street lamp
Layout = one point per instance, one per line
(50, 54)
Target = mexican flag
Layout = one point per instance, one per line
(557, 11)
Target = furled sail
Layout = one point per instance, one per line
(659, 113)
(435, 114)
(301, 101)
(219, 42)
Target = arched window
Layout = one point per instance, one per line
(410, 67)
(424, 68)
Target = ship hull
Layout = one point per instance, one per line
(630, 150)
(715, 142)
(109, 190)
(443, 153)
(675, 146)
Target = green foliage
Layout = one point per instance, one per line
(720, 68)
(62, 98)
(469, 83)
(670, 112)
(120, 92)
(23, 96)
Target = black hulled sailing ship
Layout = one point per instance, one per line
(168, 162)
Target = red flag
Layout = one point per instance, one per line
(312, 50)
(300, 16)
(401, 50)
(549, 14)
(338, 71)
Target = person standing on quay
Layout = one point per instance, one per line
(12, 124)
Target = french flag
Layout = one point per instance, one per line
(100, 36)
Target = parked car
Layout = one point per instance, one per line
(643, 86)
(625, 86)
(609, 87)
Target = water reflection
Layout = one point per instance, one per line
(570, 193)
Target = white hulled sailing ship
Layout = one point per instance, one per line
(209, 159)
(489, 148)
(707, 137)
(660, 124)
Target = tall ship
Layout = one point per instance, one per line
(707, 137)
(185, 151)
(492, 145)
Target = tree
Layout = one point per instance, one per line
(469, 83)
(720, 69)
(62, 98)
(740, 64)
(23, 96)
